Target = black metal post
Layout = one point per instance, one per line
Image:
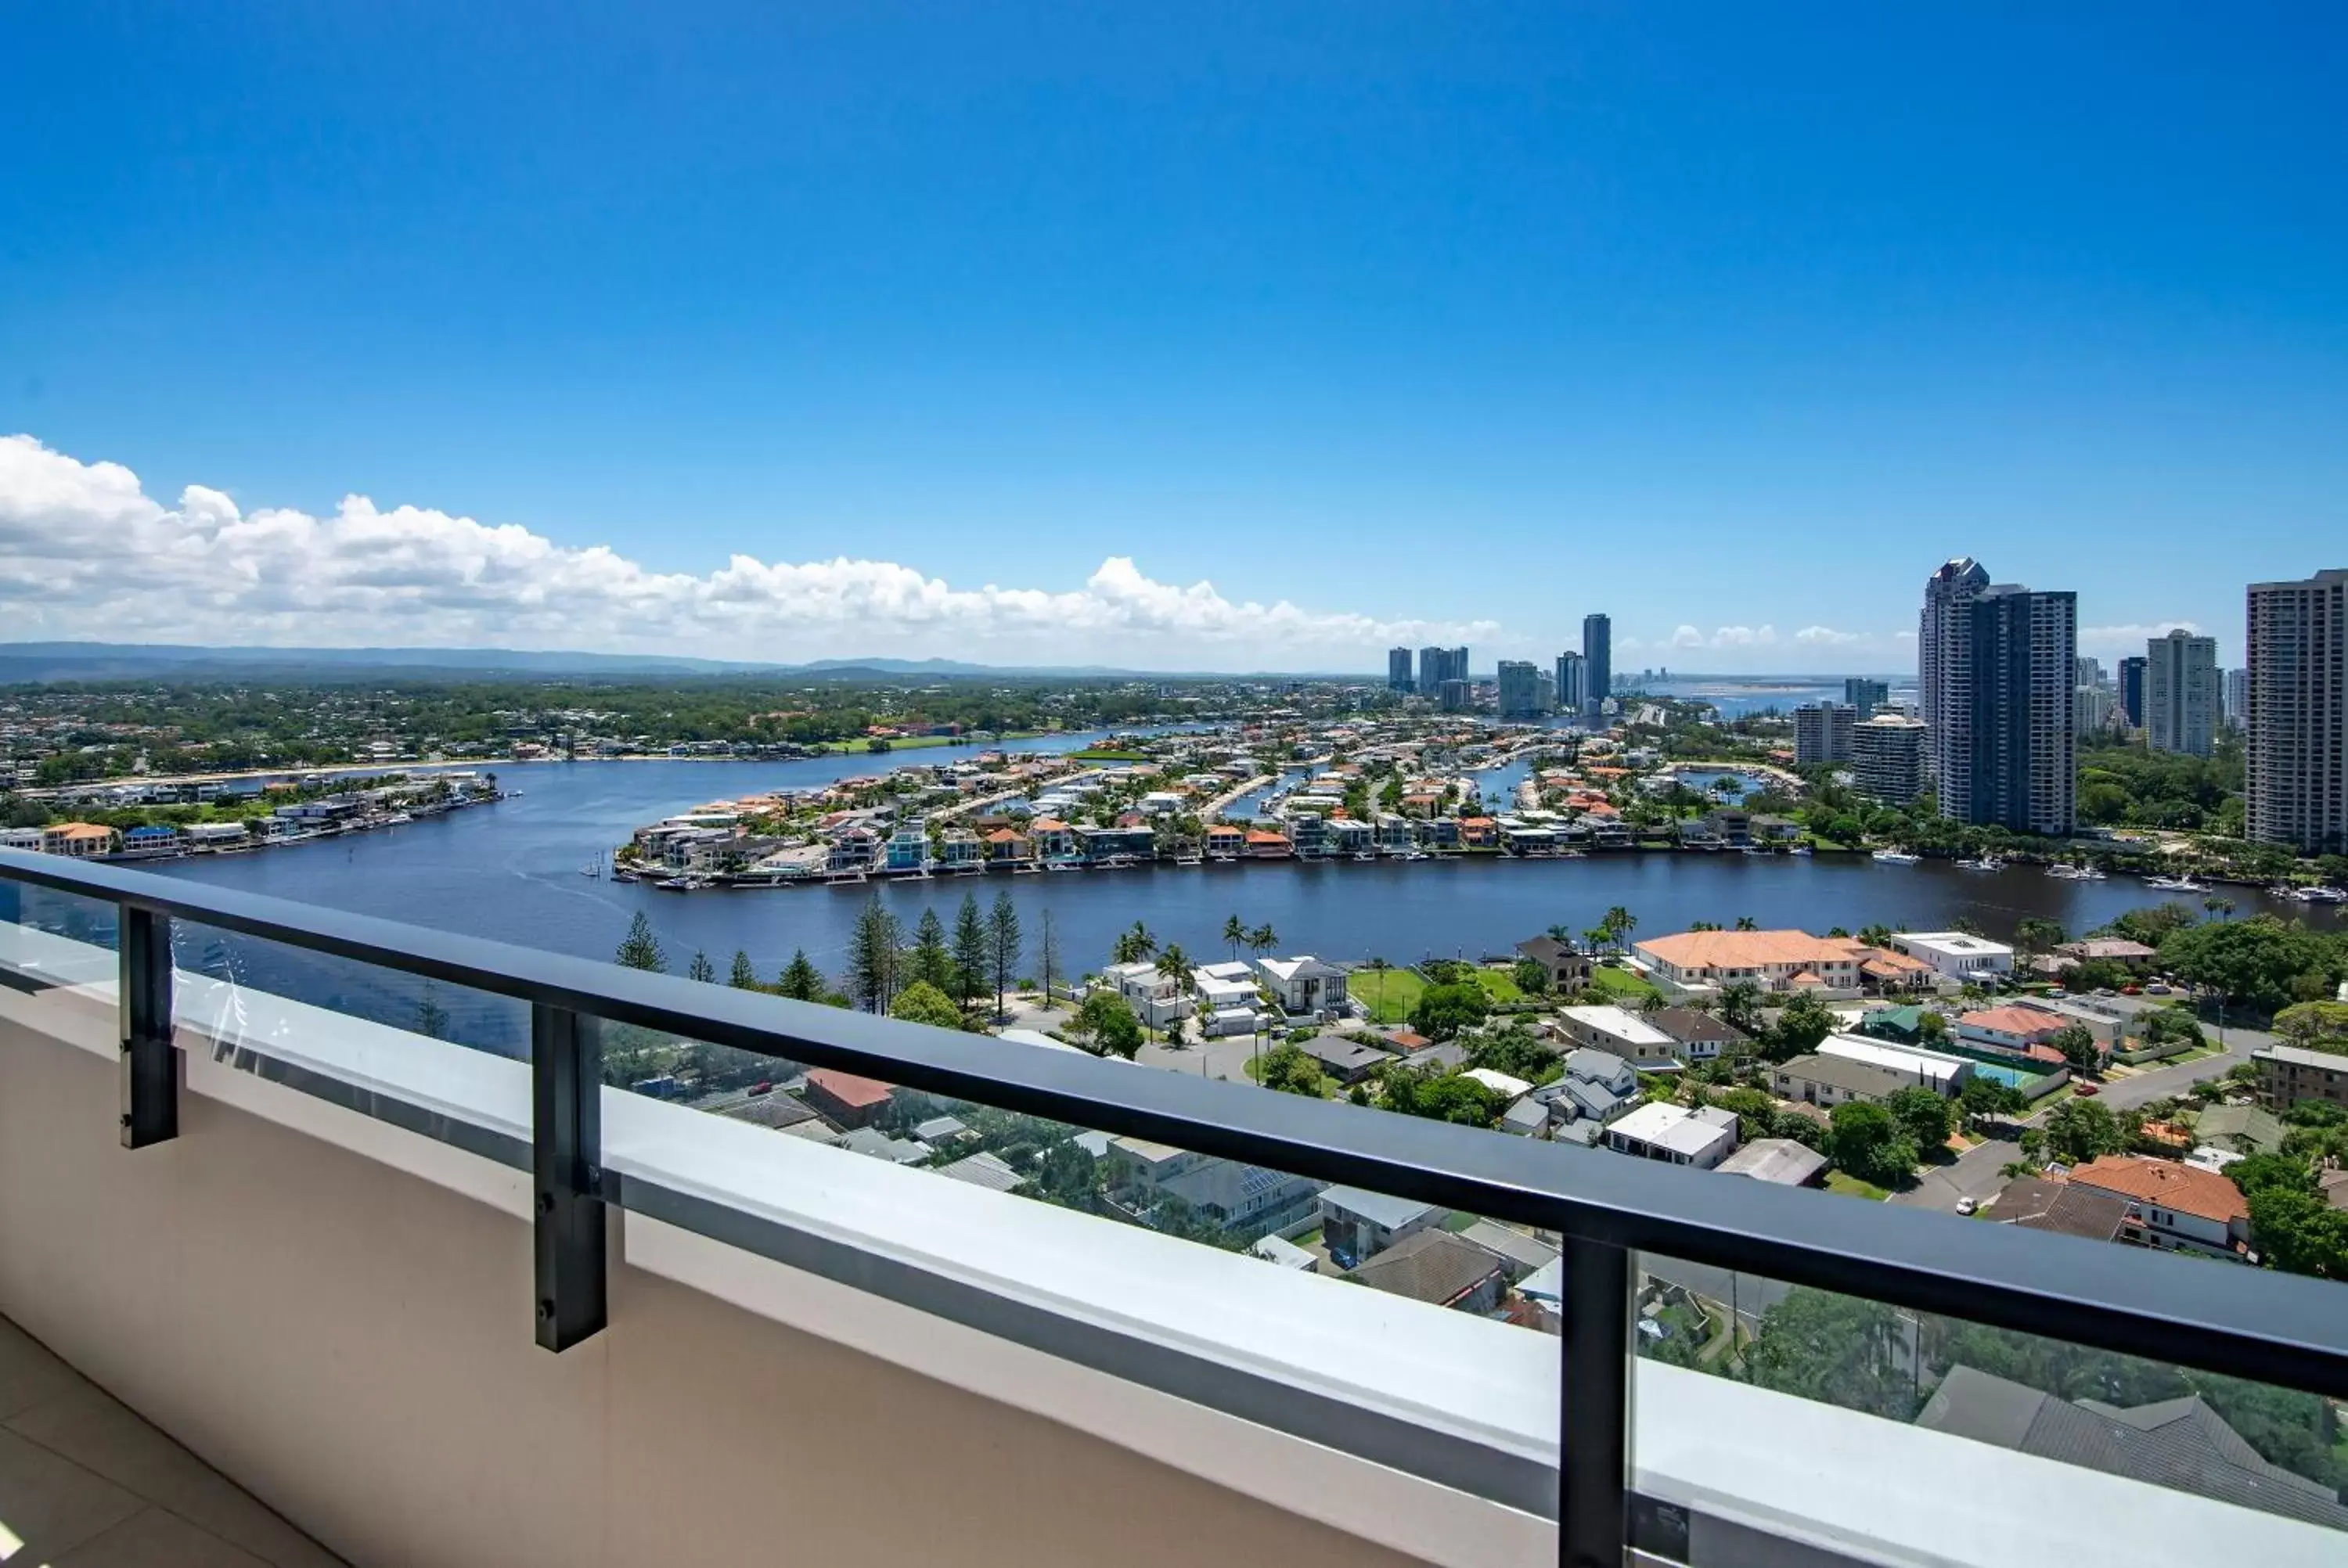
(150, 1078)
(566, 1142)
(1594, 1429)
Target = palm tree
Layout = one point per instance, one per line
(1744, 923)
(1174, 964)
(1234, 933)
(2219, 904)
(1618, 924)
(1132, 947)
(1263, 939)
(1379, 967)
(1562, 932)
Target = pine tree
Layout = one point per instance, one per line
(970, 951)
(800, 978)
(930, 963)
(873, 957)
(743, 977)
(1048, 958)
(701, 969)
(640, 950)
(1002, 941)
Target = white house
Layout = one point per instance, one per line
(1658, 1131)
(1229, 1002)
(1305, 985)
(1955, 955)
(2174, 1207)
(1156, 999)
(1934, 1070)
(1621, 1031)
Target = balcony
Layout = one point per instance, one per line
(345, 1209)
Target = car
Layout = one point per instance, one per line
(2131, 991)
(2105, 991)
(2158, 989)
(1967, 1205)
(2089, 1089)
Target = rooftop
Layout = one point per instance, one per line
(1746, 950)
(2202, 1194)
(1430, 1267)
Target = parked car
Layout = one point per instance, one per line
(2158, 990)
(2089, 1089)
(1967, 1205)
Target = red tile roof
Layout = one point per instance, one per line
(2023, 1021)
(847, 1089)
(2205, 1194)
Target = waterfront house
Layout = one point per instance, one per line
(1731, 826)
(1097, 845)
(1225, 842)
(1480, 831)
(1440, 832)
(908, 850)
(1054, 839)
(79, 840)
(1304, 987)
(958, 849)
(1394, 832)
(1702, 962)
(1309, 836)
(1156, 999)
(20, 838)
(216, 834)
(1956, 956)
(854, 850)
(1262, 845)
(1346, 835)
(1008, 846)
(156, 838)
(1698, 833)
(1568, 968)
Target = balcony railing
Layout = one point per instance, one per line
(2234, 1321)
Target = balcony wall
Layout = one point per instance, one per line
(350, 1340)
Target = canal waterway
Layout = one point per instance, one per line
(512, 871)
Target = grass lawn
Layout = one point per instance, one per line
(1619, 986)
(1389, 996)
(1850, 1186)
(896, 743)
(1454, 1223)
(1498, 986)
(1097, 755)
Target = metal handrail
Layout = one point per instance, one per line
(2236, 1321)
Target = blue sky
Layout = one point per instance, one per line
(1385, 321)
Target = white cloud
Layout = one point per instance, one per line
(1725, 637)
(2125, 640)
(1826, 637)
(86, 552)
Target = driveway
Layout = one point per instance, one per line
(1973, 1174)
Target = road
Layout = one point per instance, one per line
(2160, 1082)
(1975, 1174)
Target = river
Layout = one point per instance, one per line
(511, 871)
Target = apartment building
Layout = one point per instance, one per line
(2180, 693)
(2298, 712)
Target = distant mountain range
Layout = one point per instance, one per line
(21, 661)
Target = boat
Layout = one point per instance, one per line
(1986, 862)
(1799, 849)
(1898, 857)
(1364, 854)
(674, 885)
(2069, 873)
(2176, 883)
(2320, 894)
(1062, 865)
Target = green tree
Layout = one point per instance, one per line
(929, 962)
(2254, 961)
(922, 1002)
(431, 1018)
(1262, 940)
(2315, 1026)
(1106, 1022)
(970, 951)
(640, 950)
(872, 957)
(1438, 1096)
(1922, 1113)
(1739, 1006)
(1985, 1097)
(1047, 957)
(800, 979)
(701, 969)
(1002, 944)
(2077, 1044)
(1292, 1070)
(1840, 1350)
(2078, 1131)
(743, 976)
(1801, 1025)
(1234, 933)
(1133, 945)
(2034, 935)
(1532, 977)
(1444, 1011)
(1867, 1141)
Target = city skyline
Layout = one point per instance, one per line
(1239, 341)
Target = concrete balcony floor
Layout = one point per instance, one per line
(86, 1483)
